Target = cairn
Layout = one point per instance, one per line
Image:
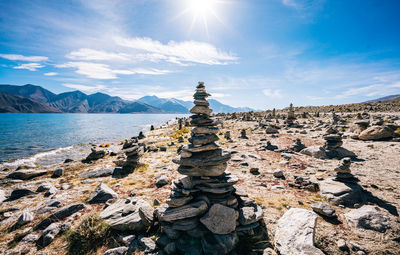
(205, 214)
(290, 116)
(298, 145)
(129, 160)
(343, 172)
(243, 134)
(333, 142)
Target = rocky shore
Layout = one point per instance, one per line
(276, 182)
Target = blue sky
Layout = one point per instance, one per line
(256, 53)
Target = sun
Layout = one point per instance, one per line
(202, 7)
(202, 12)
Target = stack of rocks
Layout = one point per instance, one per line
(333, 139)
(205, 214)
(298, 145)
(129, 160)
(243, 134)
(333, 143)
(343, 172)
(290, 116)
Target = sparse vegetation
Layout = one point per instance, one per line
(91, 234)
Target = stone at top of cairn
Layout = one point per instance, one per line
(200, 102)
(202, 157)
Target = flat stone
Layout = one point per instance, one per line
(97, 173)
(206, 147)
(200, 109)
(128, 214)
(219, 190)
(341, 193)
(295, 231)
(324, 208)
(206, 158)
(201, 102)
(184, 212)
(221, 181)
(185, 224)
(205, 130)
(178, 201)
(20, 192)
(199, 140)
(215, 170)
(26, 174)
(59, 215)
(220, 219)
(314, 151)
(368, 217)
(102, 194)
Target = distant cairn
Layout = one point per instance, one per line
(205, 213)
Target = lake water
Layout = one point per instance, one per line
(45, 139)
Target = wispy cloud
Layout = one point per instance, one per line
(85, 88)
(24, 58)
(29, 66)
(91, 54)
(51, 74)
(178, 52)
(379, 89)
(104, 71)
(272, 93)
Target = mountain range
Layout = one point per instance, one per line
(35, 99)
(383, 99)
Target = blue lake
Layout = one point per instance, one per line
(45, 138)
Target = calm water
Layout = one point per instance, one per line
(48, 138)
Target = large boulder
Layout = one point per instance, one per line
(337, 192)
(368, 217)
(294, 234)
(101, 194)
(376, 133)
(129, 215)
(314, 151)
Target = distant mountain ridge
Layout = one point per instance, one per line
(16, 104)
(383, 99)
(79, 102)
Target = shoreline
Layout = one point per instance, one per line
(84, 148)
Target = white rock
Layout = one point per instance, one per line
(294, 234)
(368, 217)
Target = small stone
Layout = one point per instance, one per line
(278, 173)
(57, 173)
(324, 209)
(341, 243)
(161, 181)
(102, 194)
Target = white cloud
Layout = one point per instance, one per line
(29, 66)
(103, 71)
(91, 70)
(180, 53)
(51, 74)
(23, 58)
(272, 93)
(90, 54)
(378, 89)
(85, 87)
